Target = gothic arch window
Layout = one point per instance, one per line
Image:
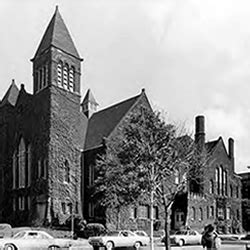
(72, 79)
(176, 177)
(21, 163)
(66, 172)
(65, 76)
(14, 170)
(200, 214)
(59, 74)
(221, 181)
(231, 191)
(211, 187)
(217, 179)
(36, 81)
(225, 182)
(44, 77)
(192, 213)
(29, 165)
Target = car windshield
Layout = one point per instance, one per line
(181, 233)
(113, 233)
(19, 235)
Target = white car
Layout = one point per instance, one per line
(34, 239)
(123, 238)
(186, 237)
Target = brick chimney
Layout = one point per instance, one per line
(231, 150)
(200, 131)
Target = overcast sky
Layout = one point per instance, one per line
(191, 56)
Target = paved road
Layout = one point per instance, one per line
(226, 247)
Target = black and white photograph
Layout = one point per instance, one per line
(124, 124)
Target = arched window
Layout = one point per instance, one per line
(59, 74)
(176, 177)
(21, 163)
(225, 182)
(200, 214)
(221, 181)
(37, 80)
(217, 179)
(72, 79)
(192, 213)
(44, 77)
(29, 165)
(65, 76)
(14, 170)
(211, 187)
(41, 77)
(67, 172)
(211, 211)
(231, 191)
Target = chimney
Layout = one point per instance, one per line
(231, 150)
(200, 131)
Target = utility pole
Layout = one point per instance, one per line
(72, 220)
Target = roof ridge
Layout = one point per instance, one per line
(119, 103)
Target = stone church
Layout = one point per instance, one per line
(49, 141)
(49, 138)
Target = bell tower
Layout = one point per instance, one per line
(59, 123)
(56, 61)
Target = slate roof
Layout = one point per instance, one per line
(89, 97)
(11, 95)
(102, 123)
(211, 145)
(57, 35)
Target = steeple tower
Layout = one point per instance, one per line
(89, 104)
(56, 61)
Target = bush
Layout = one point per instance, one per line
(93, 229)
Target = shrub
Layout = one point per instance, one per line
(93, 229)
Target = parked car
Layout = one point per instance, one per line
(123, 238)
(245, 237)
(186, 237)
(141, 233)
(33, 239)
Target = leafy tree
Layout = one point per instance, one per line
(142, 163)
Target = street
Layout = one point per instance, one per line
(197, 247)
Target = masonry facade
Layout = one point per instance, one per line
(50, 141)
(245, 191)
(216, 199)
(42, 136)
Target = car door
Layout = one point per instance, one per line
(126, 239)
(193, 237)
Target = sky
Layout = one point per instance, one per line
(191, 56)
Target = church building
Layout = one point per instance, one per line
(49, 139)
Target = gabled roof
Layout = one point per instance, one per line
(57, 35)
(211, 145)
(89, 97)
(11, 95)
(102, 123)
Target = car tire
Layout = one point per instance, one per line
(10, 247)
(137, 245)
(109, 245)
(181, 243)
(53, 247)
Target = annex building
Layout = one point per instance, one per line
(49, 140)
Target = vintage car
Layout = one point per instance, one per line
(186, 237)
(34, 239)
(141, 233)
(124, 238)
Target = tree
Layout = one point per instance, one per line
(141, 164)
